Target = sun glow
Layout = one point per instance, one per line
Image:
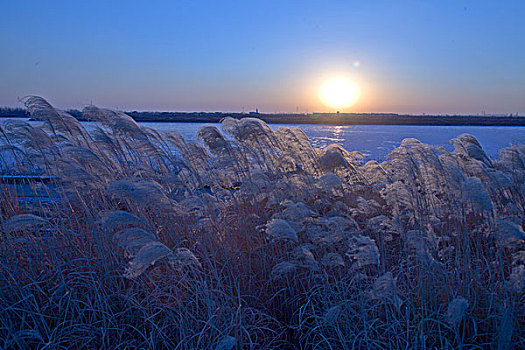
(339, 92)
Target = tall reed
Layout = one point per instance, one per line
(251, 238)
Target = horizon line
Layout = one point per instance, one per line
(253, 112)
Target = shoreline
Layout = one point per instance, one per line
(334, 119)
(322, 119)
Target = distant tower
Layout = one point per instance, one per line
(257, 110)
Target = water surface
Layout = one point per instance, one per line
(376, 141)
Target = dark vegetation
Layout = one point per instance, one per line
(302, 118)
(8, 112)
(334, 118)
(252, 239)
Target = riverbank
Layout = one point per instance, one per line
(335, 118)
(317, 118)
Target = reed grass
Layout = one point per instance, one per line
(253, 239)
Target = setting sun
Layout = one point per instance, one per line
(339, 92)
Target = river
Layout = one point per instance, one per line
(376, 141)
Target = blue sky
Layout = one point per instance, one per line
(416, 56)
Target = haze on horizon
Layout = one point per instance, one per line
(406, 56)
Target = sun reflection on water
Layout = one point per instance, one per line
(338, 132)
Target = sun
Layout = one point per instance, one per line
(339, 92)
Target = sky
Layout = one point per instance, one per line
(441, 57)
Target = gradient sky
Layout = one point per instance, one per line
(416, 56)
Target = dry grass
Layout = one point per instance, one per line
(252, 239)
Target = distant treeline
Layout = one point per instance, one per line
(334, 118)
(312, 118)
(8, 112)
